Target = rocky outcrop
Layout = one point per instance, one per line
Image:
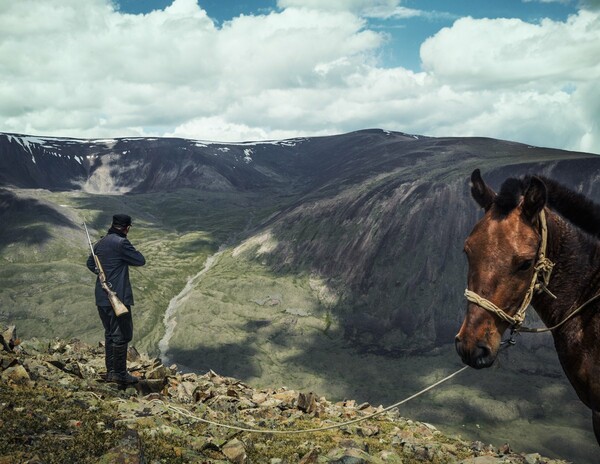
(55, 408)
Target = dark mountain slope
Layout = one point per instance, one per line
(386, 229)
(380, 215)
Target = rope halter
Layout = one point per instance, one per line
(539, 283)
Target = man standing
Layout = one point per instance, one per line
(116, 253)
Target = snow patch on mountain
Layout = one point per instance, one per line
(282, 143)
(53, 145)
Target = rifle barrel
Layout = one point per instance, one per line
(89, 239)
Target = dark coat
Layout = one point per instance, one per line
(116, 254)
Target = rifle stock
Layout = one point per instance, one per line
(118, 307)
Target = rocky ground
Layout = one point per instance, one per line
(55, 408)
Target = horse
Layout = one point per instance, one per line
(537, 244)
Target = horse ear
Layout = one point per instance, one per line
(535, 198)
(482, 194)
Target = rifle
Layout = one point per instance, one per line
(116, 304)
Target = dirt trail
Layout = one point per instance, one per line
(170, 319)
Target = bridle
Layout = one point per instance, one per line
(539, 283)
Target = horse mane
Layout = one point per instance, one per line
(573, 206)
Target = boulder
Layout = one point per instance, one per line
(234, 451)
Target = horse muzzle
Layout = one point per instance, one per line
(478, 355)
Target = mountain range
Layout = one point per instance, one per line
(311, 261)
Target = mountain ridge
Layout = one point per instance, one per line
(318, 158)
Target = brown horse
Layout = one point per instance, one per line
(537, 242)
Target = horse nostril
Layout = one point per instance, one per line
(482, 356)
(478, 355)
(483, 350)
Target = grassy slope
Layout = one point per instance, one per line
(47, 290)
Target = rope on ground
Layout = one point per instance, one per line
(189, 415)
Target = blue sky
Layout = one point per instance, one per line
(525, 71)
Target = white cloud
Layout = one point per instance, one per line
(354, 6)
(541, 77)
(383, 9)
(510, 52)
(546, 1)
(221, 130)
(83, 69)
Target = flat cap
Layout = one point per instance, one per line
(122, 220)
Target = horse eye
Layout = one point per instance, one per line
(525, 265)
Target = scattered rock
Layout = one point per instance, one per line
(8, 337)
(16, 374)
(234, 451)
(310, 458)
(534, 458)
(171, 409)
(351, 456)
(150, 387)
(482, 460)
(271, 300)
(297, 312)
(133, 354)
(505, 449)
(307, 402)
(159, 372)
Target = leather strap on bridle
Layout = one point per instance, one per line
(539, 282)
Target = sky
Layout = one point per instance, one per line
(241, 70)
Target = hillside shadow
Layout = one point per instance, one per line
(27, 221)
(230, 360)
(393, 244)
(182, 211)
(239, 360)
(492, 405)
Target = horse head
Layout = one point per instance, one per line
(502, 251)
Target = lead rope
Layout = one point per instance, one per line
(189, 415)
(570, 316)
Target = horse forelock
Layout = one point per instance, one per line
(509, 196)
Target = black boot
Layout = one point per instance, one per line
(120, 375)
(109, 361)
